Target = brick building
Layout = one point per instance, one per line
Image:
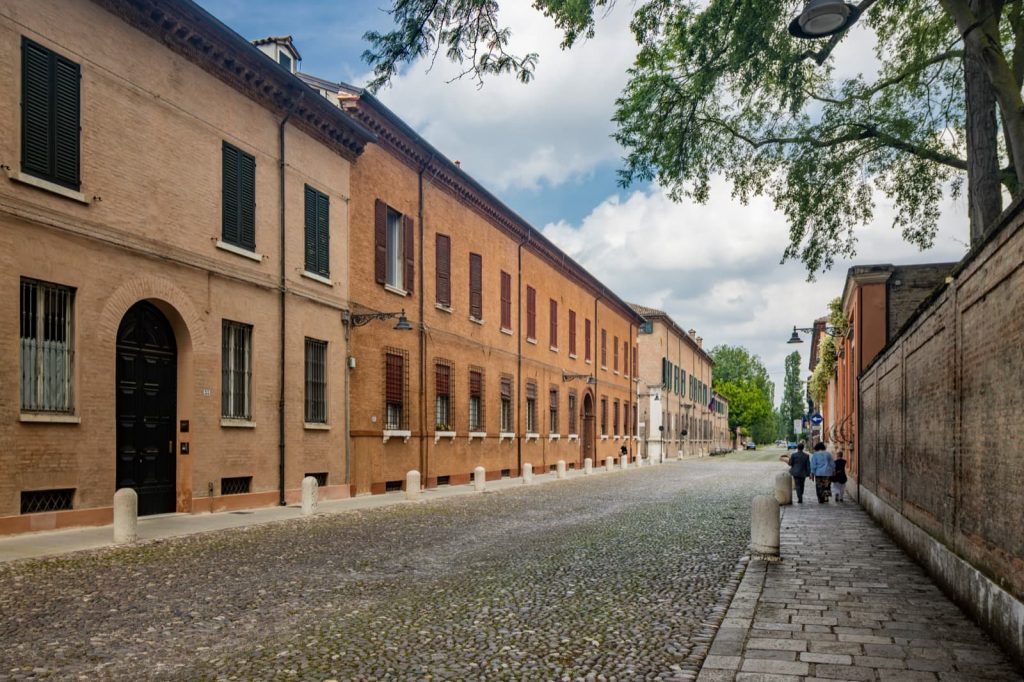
(518, 355)
(173, 266)
(680, 414)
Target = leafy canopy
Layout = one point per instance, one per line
(742, 379)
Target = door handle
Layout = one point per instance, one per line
(170, 447)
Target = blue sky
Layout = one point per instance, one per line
(546, 150)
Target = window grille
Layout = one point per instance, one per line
(444, 480)
(553, 410)
(393, 486)
(572, 412)
(320, 476)
(236, 370)
(37, 501)
(316, 381)
(531, 407)
(237, 485)
(506, 473)
(47, 347)
(506, 404)
(443, 396)
(396, 383)
(476, 399)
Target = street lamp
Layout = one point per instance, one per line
(822, 18)
(591, 381)
(351, 320)
(795, 338)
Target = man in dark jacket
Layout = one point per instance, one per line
(799, 469)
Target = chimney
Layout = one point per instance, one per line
(700, 342)
(458, 164)
(692, 333)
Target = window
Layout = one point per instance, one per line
(47, 347)
(625, 418)
(553, 324)
(604, 416)
(615, 418)
(443, 264)
(50, 135)
(572, 411)
(506, 300)
(646, 327)
(586, 340)
(236, 370)
(393, 263)
(316, 381)
(395, 383)
(553, 410)
(443, 396)
(604, 348)
(531, 407)
(615, 353)
(625, 358)
(531, 313)
(284, 60)
(636, 351)
(318, 232)
(572, 332)
(635, 422)
(239, 187)
(506, 404)
(476, 399)
(476, 285)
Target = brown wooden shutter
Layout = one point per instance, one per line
(531, 391)
(572, 332)
(410, 257)
(475, 381)
(635, 352)
(394, 379)
(604, 347)
(531, 313)
(615, 353)
(442, 377)
(554, 324)
(476, 303)
(506, 388)
(506, 300)
(444, 270)
(380, 241)
(587, 338)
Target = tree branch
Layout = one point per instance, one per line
(881, 85)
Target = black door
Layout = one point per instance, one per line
(146, 407)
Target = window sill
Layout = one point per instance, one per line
(317, 278)
(553, 349)
(506, 435)
(316, 426)
(532, 436)
(49, 418)
(475, 320)
(404, 434)
(239, 251)
(438, 435)
(505, 330)
(587, 361)
(529, 340)
(477, 434)
(395, 290)
(52, 187)
(604, 437)
(616, 372)
(443, 308)
(554, 436)
(573, 436)
(237, 423)
(572, 356)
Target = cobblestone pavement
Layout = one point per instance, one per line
(616, 576)
(845, 603)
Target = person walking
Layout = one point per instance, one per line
(839, 478)
(822, 468)
(799, 469)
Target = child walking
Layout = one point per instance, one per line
(839, 478)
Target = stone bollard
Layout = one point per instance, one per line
(608, 466)
(588, 466)
(126, 515)
(412, 485)
(309, 495)
(625, 461)
(479, 479)
(560, 469)
(527, 473)
(764, 528)
(784, 488)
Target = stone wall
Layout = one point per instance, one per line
(940, 433)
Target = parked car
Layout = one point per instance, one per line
(750, 446)
(791, 445)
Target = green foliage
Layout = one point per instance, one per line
(742, 379)
(792, 397)
(825, 369)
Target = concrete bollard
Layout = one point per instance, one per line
(560, 469)
(527, 473)
(625, 461)
(588, 466)
(412, 485)
(309, 495)
(126, 515)
(479, 479)
(784, 488)
(764, 528)
(608, 466)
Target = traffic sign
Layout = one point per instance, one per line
(816, 419)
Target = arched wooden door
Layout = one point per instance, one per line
(588, 428)
(147, 407)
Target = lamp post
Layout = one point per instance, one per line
(591, 381)
(795, 338)
(822, 18)
(358, 320)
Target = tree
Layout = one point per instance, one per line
(792, 397)
(719, 88)
(742, 379)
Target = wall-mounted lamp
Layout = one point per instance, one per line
(591, 381)
(365, 318)
(795, 338)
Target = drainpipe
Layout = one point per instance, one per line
(519, 348)
(424, 454)
(283, 293)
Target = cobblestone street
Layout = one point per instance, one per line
(607, 577)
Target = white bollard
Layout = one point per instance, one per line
(412, 485)
(309, 495)
(527, 473)
(588, 466)
(608, 466)
(764, 528)
(784, 488)
(560, 469)
(625, 461)
(126, 515)
(638, 460)
(479, 479)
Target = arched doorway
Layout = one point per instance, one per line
(147, 407)
(588, 428)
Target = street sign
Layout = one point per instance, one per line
(798, 426)
(816, 419)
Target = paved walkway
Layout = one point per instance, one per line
(845, 603)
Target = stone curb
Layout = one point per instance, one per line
(735, 627)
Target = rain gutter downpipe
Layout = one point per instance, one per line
(519, 345)
(424, 452)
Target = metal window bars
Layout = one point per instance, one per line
(236, 370)
(316, 381)
(47, 347)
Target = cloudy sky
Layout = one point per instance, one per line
(545, 149)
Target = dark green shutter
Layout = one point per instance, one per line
(230, 231)
(239, 198)
(66, 117)
(311, 229)
(50, 114)
(323, 234)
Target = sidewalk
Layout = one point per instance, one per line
(51, 543)
(845, 603)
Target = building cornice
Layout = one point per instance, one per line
(661, 316)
